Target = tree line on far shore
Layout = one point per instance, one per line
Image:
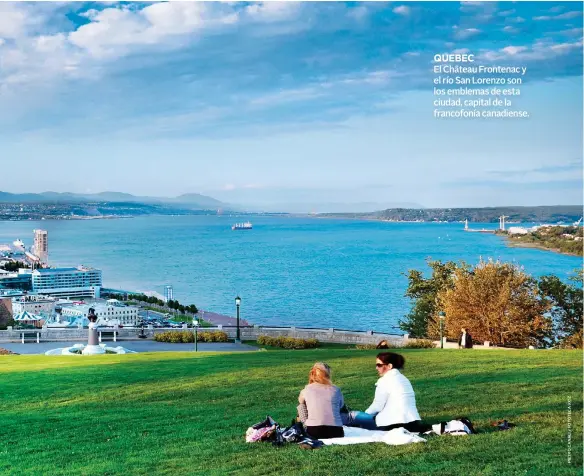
(171, 303)
(498, 302)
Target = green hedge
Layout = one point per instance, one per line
(288, 342)
(176, 337)
(420, 344)
(417, 344)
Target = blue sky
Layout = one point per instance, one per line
(276, 103)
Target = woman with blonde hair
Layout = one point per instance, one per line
(323, 402)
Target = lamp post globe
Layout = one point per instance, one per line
(195, 328)
(442, 316)
(237, 335)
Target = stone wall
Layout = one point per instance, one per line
(247, 333)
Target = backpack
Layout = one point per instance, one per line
(265, 430)
(459, 427)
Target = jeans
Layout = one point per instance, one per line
(367, 421)
(361, 420)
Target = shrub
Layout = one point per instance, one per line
(288, 342)
(420, 344)
(176, 337)
(366, 346)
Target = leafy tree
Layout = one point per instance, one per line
(497, 302)
(566, 308)
(424, 292)
(192, 309)
(14, 266)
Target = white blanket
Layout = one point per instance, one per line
(355, 436)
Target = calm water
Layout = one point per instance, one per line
(288, 271)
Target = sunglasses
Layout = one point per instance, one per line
(380, 365)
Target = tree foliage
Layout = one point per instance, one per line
(14, 266)
(498, 303)
(424, 292)
(566, 308)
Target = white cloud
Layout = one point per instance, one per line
(272, 11)
(13, 20)
(510, 29)
(563, 16)
(514, 50)
(539, 51)
(285, 96)
(463, 34)
(358, 13)
(402, 10)
(568, 15)
(572, 32)
(113, 31)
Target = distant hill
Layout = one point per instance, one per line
(190, 200)
(325, 207)
(540, 214)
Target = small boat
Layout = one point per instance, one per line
(242, 226)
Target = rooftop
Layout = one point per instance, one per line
(63, 270)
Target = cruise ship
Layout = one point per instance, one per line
(242, 226)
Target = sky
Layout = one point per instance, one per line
(314, 106)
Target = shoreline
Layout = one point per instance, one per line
(535, 246)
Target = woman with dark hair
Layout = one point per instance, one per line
(394, 404)
(322, 401)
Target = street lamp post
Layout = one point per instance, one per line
(195, 327)
(442, 316)
(237, 303)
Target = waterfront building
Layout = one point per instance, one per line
(112, 312)
(518, 230)
(67, 282)
(33, 304)
(40, 247)
(22, 280)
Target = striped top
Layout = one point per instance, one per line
(324, 403)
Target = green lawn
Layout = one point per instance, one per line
(185, 413)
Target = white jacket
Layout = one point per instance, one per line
(395, 401)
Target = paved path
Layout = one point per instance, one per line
(138, 346)
(221, 319)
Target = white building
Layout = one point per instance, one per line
(517, 230)
(67, 282)
(112, 313)
(33, 304)
(40, 246)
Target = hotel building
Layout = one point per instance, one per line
(80, 282)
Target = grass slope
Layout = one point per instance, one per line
(185, 413)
